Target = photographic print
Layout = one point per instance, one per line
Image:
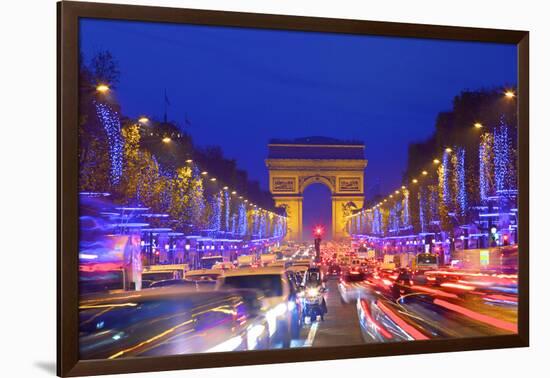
(246, 189)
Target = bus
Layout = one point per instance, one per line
(425, 261)
(208, 262)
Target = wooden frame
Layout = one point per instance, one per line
(69, 13)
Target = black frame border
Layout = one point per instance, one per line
(68, 14)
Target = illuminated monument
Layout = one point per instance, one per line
(295, 164)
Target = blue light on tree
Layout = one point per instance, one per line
(445, 177)
(243, 223)
(503, 148)
(111, 124)
(460, 181)
(486, 163)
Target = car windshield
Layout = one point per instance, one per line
(269, 284)
(202, 277)
(158, 276)
(427, 259)
(173, 283)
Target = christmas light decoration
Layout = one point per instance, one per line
(502, 156)
(444, 176)
(460, 181)
(486, 163)
(110, 121)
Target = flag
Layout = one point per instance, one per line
(187, 122)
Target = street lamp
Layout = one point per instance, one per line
(509, 94)
(102, 88)
(448, 149)
(415, 181)
(478, 125)
(143, 120)
(436, 161)
(424, 173)
(225, 188)
(204, 173)
(189, 161)
(166, 139)
(213, 179)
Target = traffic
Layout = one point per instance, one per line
(296, 296)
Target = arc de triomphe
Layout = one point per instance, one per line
(295, 164)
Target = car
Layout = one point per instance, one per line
(352, 285)
(170, 321)
(223, 266)
(299, 272)
(281, 302)
(279, 263)
(334, 270)
(203, 274)
(174, 282)
(197, 285)
(149, 277)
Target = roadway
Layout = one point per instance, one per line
(340, 327)
(439, 314)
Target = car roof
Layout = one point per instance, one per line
(298, 268)
(255, 271)
(203, 271)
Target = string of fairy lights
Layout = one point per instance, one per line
(111, 122)
(494, 156)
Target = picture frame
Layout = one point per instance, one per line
(69, 13)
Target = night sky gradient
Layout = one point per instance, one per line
(241, 87)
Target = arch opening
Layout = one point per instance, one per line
(317, 210)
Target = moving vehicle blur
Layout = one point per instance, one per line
(313, 290)
(170, 321)
(280, 300)
(351, 285)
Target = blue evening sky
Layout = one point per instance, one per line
(241, 87)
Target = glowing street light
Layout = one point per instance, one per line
(403, 187)
(478, 125)
(189, 161)
(225, 188)
(415, 181)
(436, 161)
(213, 179)
(234, 192)
(448, 149)
(397, 192)
(166, 139)
(102, 88)
(143, 120)
(424, 173)
(509, 94)
(204, 173)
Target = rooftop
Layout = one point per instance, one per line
(318, 140)
(315, 147)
